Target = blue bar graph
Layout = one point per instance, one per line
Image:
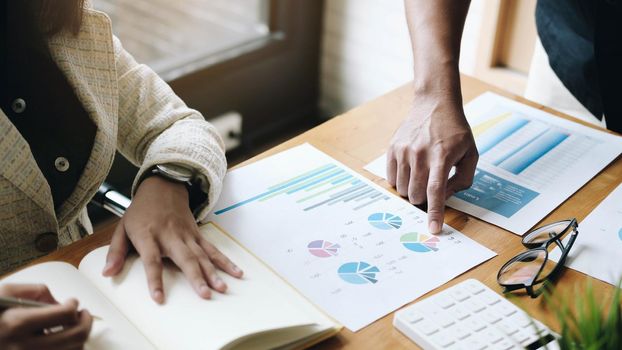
(499, 132)
(526, 156)
(512, 152)
(325, 185)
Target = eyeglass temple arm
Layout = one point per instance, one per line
(562, 258)
(566, 250)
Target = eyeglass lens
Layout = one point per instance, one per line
(545, 233)
(525, 269)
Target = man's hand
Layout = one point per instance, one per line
(58, 326)
(159, 224)
(432, 140)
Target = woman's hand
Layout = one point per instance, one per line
(432, 140)
(159, 224)
(59, 326)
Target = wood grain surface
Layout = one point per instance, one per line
(362, 134)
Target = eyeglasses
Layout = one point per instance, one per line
(532, 269)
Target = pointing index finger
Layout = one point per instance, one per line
(437, 186)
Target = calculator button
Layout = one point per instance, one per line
(427, 327)
(505, 308)
(475, 344)
(445, 301)
(507, 327)
(445, 321)
(491, 335)
(457, 346)
(520, 319)
(474, 324)
(489, 298)
(459, 294)
(474, 287)
(506, 344)
(412, 316)
(460, 332)
(431, 310)
(491, 317)
(475, 305)
(458, 312)
(442, 339)
(520, 337)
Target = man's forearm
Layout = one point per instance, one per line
(436, 31)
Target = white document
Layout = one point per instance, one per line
(530, 162)
(598, 246)
(351, 247)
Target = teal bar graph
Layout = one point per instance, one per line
(326, 185)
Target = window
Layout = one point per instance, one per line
(176, 38)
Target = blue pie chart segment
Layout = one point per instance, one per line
(385, 221)
(358, 273)
(620, 233)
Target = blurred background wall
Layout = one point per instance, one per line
(366, 48)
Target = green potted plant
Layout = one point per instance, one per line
(586, 323)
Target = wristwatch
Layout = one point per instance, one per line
(195, 183)
(175, 172)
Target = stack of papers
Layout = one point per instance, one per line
(530, 162)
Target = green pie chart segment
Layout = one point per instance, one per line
(420, 243)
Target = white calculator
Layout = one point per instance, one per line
(471, 316)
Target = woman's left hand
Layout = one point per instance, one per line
(159, 224)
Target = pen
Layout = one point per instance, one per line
(9, 302)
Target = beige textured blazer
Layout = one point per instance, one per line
(135, 112)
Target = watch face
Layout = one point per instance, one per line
(176, 172)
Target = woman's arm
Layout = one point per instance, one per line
(156, 127)
(435, 136)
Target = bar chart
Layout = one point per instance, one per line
(326, 185)
(514, 143)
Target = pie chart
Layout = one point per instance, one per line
(385, 221)
(419, 243)
(323, 249)
(358, 273)
(620, 233)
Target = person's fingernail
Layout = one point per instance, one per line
(434, 227)
(158, 296)
(204, 291)
(107, 267)
(235, 269)
(73, 303)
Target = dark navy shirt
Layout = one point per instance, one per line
(40, 102)
(583, 40)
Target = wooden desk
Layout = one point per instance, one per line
(362, 134)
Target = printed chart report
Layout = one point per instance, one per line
(598, 247)
(351, 247)
(530, 162)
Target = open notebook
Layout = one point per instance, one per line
(259, 311)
